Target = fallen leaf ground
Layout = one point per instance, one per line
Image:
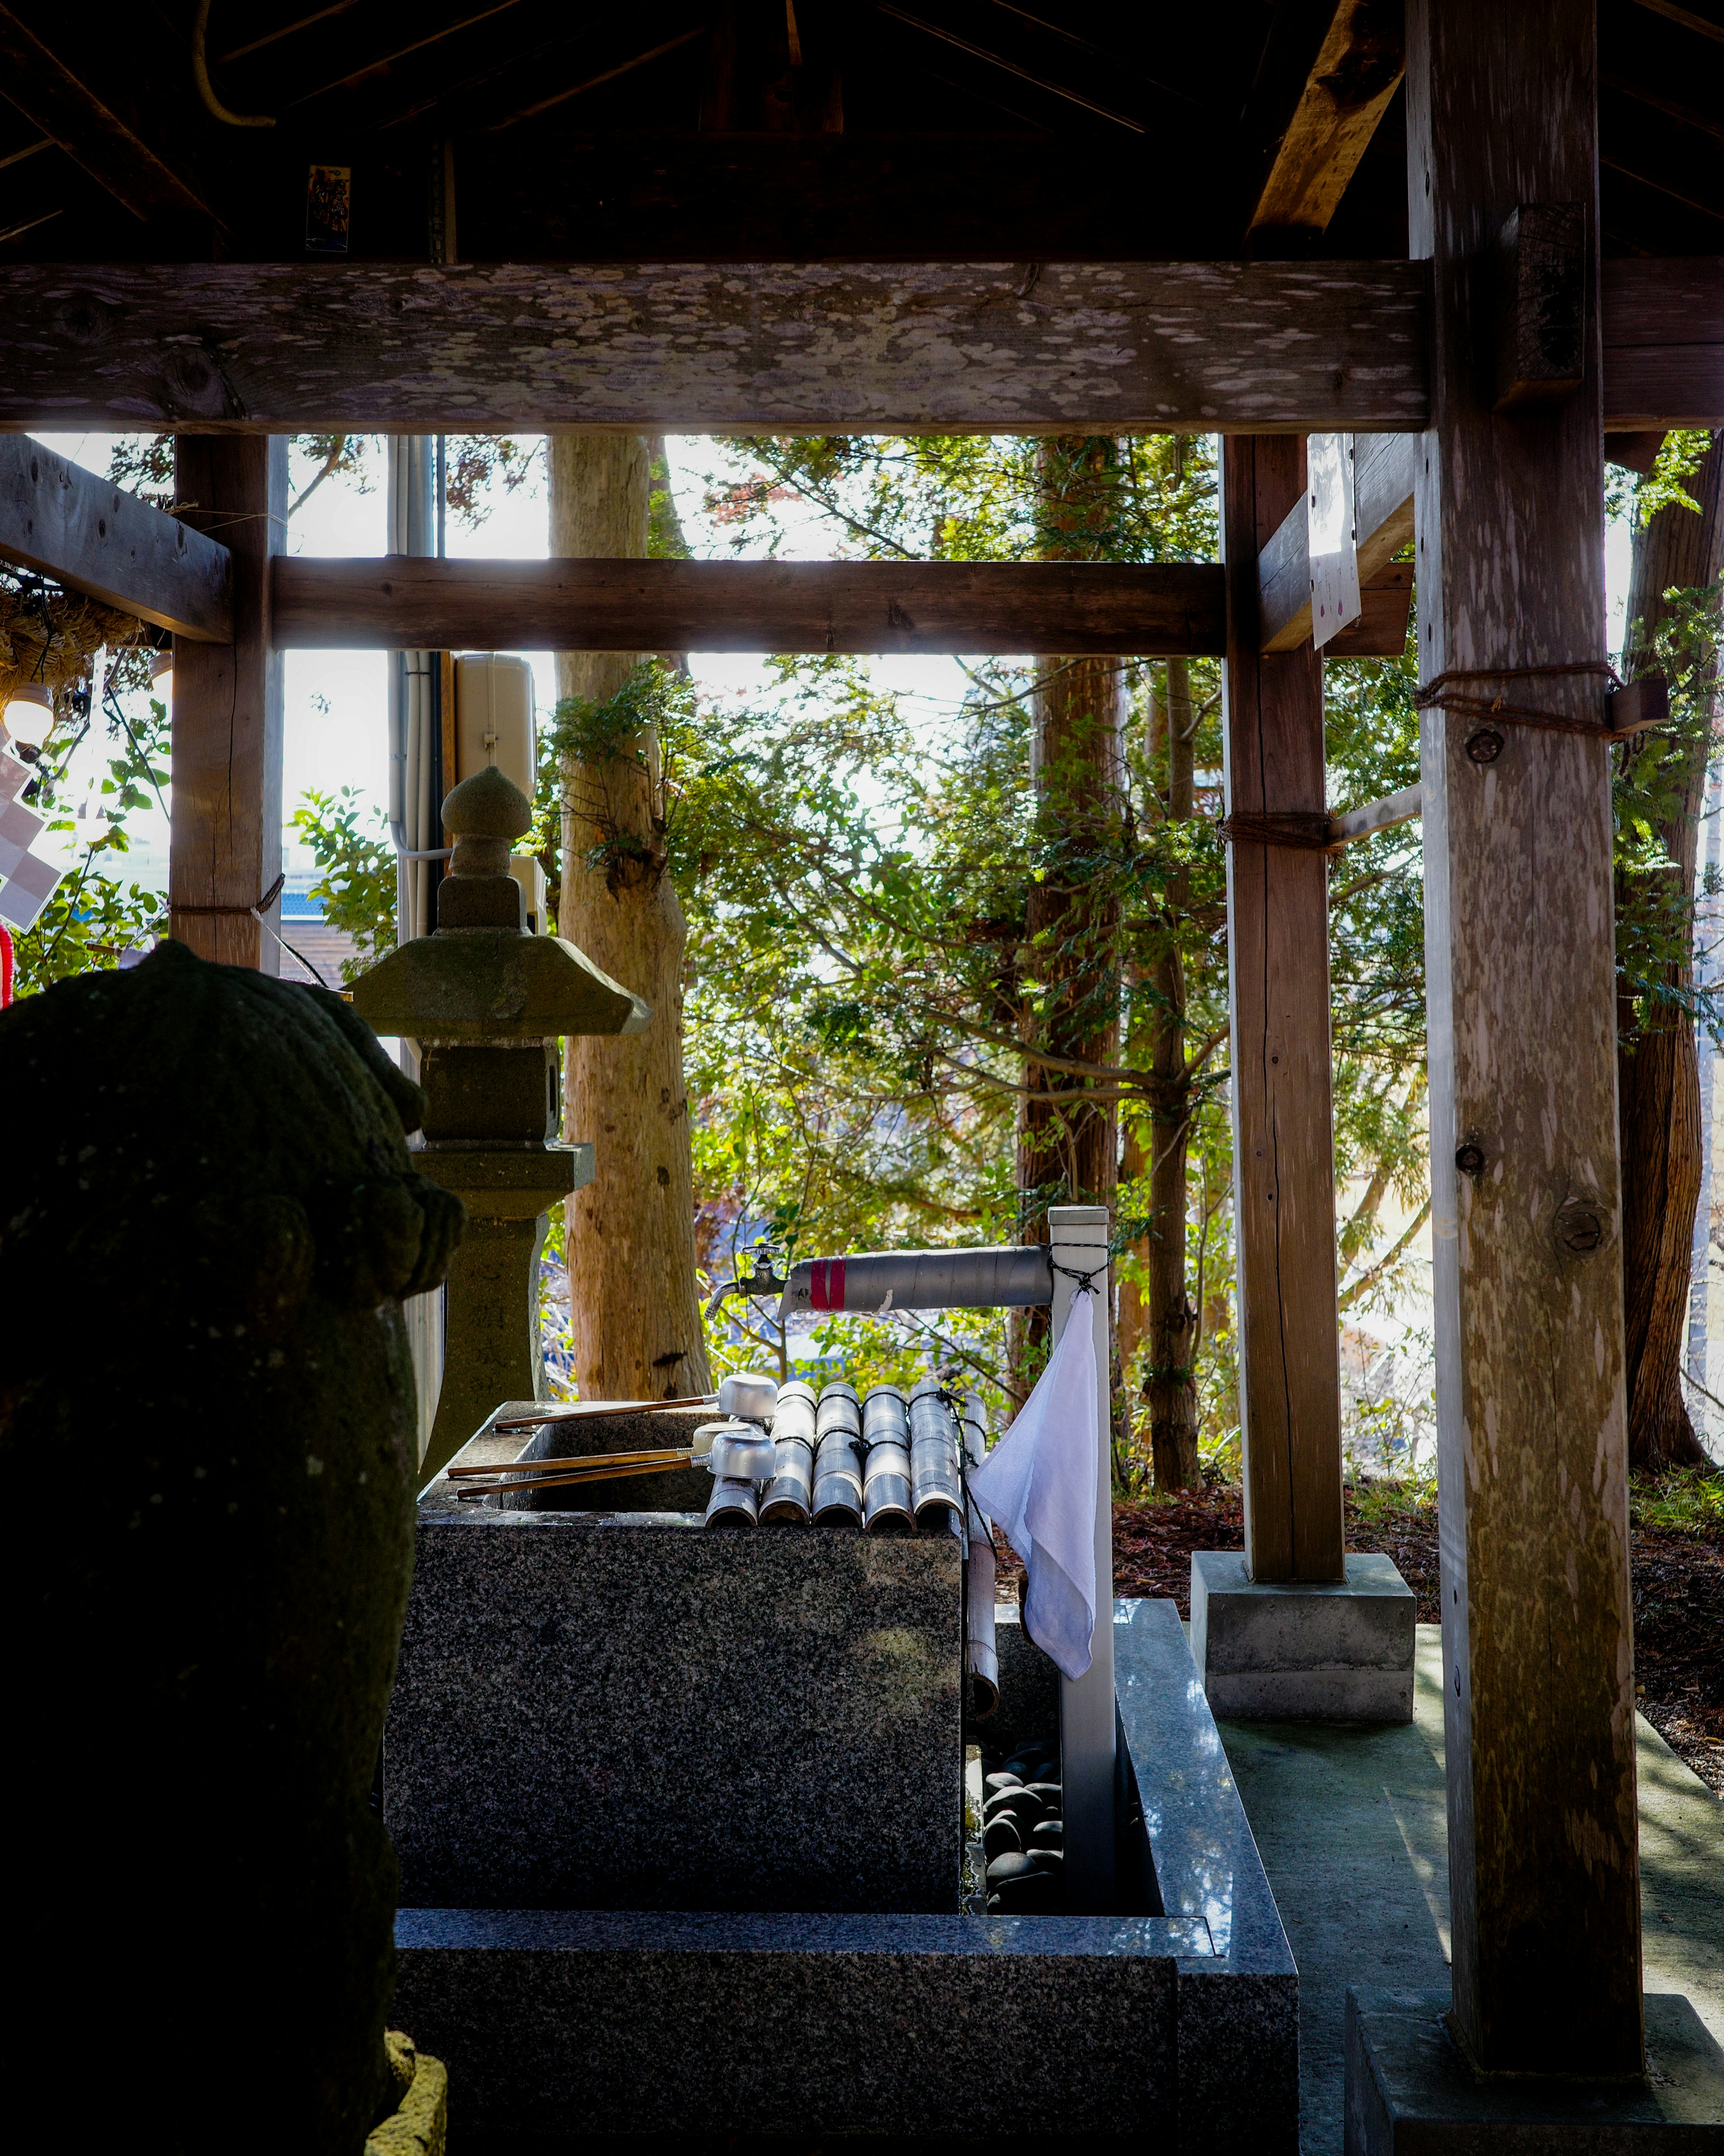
(1678, 1588)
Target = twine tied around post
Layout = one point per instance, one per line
(1448, 693)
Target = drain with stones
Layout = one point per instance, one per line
(1023, 1830)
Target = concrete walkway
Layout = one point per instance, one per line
(1350, 1827)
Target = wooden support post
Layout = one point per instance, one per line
(226, 848)
(1538, 1654)
(1278, 979)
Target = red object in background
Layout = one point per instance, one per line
(6, 966)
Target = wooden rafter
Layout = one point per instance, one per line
(1685, 18)
(45, 89)
(469, 20)
(1346, 92)
(1037, 79)
(93, 537)
(287, 30)
(556, 97)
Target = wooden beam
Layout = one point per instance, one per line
(1192, 348)
(397, 602)
(96, 538)
(118, 158)
(225, 853)
(1381, 630)
(1375, 816)
(1345, 92)
(1663, 342)
(1383, 468)
(797, 347)
(1532, 1450)
(1278, 988)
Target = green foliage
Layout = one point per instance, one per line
(1382, 1503)
(863, 984)
(95, 914)
(357, 871)
(1687, 1501)
(1641, 496)
(1655, 915)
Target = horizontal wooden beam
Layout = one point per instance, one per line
(1383, 468)
(95, 538)
(1663, 342)
(400, 602)
(1375, 816)
(1380, 631)
(812, 347)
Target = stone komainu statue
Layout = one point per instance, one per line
(207, 1220)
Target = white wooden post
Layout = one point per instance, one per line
(1077, 1236)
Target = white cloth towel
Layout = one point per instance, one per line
(1038, 1484)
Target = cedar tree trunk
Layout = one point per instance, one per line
(1657, 1070)
(1170, 1386)
(636, 1316)
(1068, 1139)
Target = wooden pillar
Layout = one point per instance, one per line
(1536, 1631)
(1278, 987)
(226, 847)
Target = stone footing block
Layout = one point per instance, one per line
(1303, 1652)
(1410, 2092)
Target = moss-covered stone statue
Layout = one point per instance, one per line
(209, 1217)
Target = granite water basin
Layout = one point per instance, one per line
(886, 2015)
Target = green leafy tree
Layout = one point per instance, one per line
(98, 912)
(862, 941)
(348, 837)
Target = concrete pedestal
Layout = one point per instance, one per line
(1409, 2091)
(1304, 1653)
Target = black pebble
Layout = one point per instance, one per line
(993, 1783)
(1048, 1792)
(1014, 1803)
(1001, 1838)
(1038, 1893)
(1011, 1866)
(1049, 1859)
(1048, 1834)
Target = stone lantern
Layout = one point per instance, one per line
(487, 1003)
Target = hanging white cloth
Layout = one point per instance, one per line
(1039, 1485)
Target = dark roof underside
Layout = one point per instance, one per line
(750, 130)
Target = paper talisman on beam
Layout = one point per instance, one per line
(27, 882)
(1333, 536)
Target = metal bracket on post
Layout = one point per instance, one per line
(1077, 1236)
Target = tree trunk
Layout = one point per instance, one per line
(1067, 1143)
(636, 1318)
(1658, 1070)
(1171, 1385)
